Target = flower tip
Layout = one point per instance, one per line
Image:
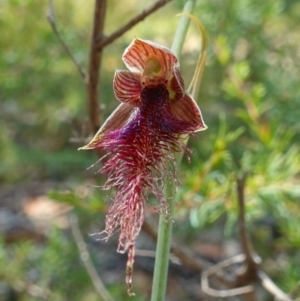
(85, 147)
(204, 127)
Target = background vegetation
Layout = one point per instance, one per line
(250, 99)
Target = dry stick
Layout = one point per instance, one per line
(217, 268)
(250, 272)
(140, 17)
(272, 288)
(85, 257)
(84, 254)
(94, 66)
(52, 20)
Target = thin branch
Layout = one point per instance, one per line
(250, 271)
(216, 269)
(52, 20)
(145, 253)
(95, 65)
(272, 288)
(241, 219)
(140, 17)
(85, 257)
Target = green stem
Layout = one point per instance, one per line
(165, 225)
(182, 28)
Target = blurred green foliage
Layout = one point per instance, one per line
(250, 99)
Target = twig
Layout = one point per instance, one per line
(217, 268)
(272, 288)
(94, 66)
(250, 272)
(108, 40)
(145, 253)
(52, 20)
(85, 257)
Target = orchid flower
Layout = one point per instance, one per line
(141, 137)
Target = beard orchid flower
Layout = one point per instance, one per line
(141, 137)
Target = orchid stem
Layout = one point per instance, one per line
(166, 224)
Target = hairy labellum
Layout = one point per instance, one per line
(142, 152)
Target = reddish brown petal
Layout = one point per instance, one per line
(176, 85)
(121, 116)
(187, 109)
(127, 87)
(136, 55)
